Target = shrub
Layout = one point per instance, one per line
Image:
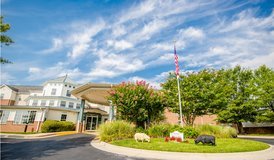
(140, 130)
(217, 131)
(189, 132)
(159, 130)
(57, 126)
(116, 130)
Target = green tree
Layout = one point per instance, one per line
(137, 103)
(241, 100)
(264, 81)
(6, 40)
(199, 94)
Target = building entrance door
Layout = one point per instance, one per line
(91, 122)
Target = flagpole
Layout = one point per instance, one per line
(180, 104)
(179, 92)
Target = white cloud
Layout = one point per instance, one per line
(118, 30)
(154, 81)
(57, 44)
(192, 33)
(60, 69)
(119, 45)
(148, 30)
(34, 70)
(80, 41)
(6, 78)
(256, 61)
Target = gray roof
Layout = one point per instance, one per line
(23, 88)
(62, 79)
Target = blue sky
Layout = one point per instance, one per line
(112, 41)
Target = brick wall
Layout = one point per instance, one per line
(10, 127)
(7, 102)
(173, 118)
(206, 119)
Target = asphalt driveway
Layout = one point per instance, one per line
(71, 147)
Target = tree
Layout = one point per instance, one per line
(6, 40)
(241, 101)
(264, 81)
(199, 94)
(137, 103)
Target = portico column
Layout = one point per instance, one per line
(80, 117)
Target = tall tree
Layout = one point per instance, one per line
(6, 40)
(241, 103)
(137, 103)
(198, 94)
(264, 81)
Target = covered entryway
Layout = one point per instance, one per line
(90, 118)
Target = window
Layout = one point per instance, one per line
(4, 115)
(66, 85)
(2, 96)
(43, 103)
(35, 102)
(69, 86)
(19, 99)
(71, 104)
(53, 91)
(78, 105)
(68, 93)
(24, 117)
(63, 117)
(51, 103)
(63, 104)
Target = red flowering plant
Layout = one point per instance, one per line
(167, 139)
(137, 102)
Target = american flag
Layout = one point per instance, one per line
(176, 62)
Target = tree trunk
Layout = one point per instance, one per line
(240, 127)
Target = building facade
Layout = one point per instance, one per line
(25, 108)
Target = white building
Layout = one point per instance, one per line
(32, 105)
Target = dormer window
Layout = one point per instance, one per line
(53, 91)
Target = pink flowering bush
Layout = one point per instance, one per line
(137, 102)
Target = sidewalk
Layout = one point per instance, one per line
(267, 154)
(36, 136)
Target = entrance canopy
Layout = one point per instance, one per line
(93, 93)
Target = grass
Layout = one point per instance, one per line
(224, 145)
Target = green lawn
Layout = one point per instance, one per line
(223, 145)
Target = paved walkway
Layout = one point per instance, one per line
(267, 154)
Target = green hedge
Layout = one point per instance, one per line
(116, 130)
(57, 126)
(162, 130)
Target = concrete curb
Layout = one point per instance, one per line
(139, 153)
(259, 137)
